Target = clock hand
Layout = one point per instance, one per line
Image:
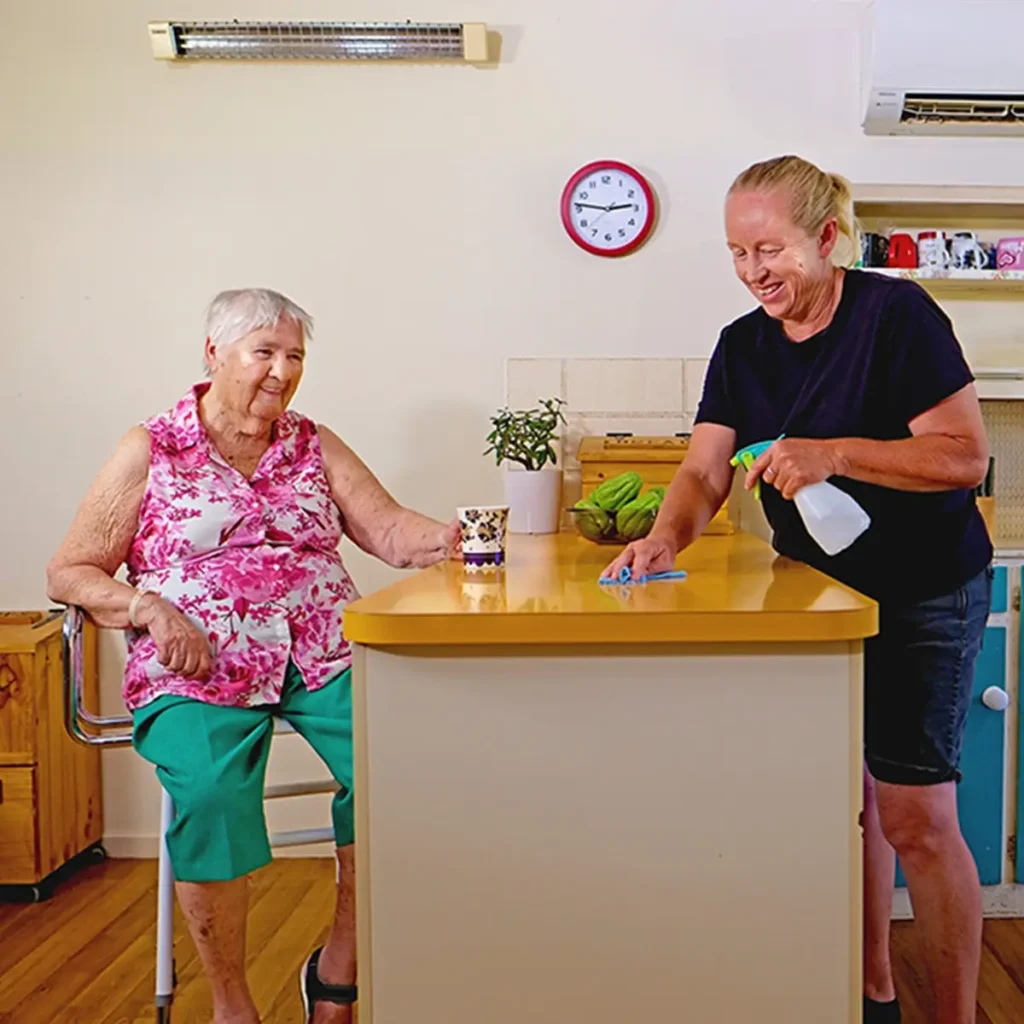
(591, 206)
(621, 206)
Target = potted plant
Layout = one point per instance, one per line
(524, 439)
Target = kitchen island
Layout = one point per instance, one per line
(604, 804)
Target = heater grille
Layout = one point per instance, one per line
(233, 40)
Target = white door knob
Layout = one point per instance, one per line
(996, 698)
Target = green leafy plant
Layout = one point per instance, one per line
(526, 436)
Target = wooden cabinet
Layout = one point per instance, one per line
(50, 798)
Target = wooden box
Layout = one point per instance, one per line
(50, 797)
(655, 458)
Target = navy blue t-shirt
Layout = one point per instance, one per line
(888, 355)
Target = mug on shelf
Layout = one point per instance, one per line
(931, 249)
(902, 251)
(1010, 254)
(967, 252)
(874, 249)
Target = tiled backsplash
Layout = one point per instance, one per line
(626, 385)
(641, 396)
(660, 396)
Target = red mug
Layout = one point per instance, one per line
(902, 250)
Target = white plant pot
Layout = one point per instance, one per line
(534, 500)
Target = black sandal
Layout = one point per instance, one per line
(881, 1013)
(314, 990)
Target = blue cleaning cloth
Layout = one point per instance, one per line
(626, 576)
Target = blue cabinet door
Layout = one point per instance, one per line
(1020, 774)
(1000, 591)
(980, 793)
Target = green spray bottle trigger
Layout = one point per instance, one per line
(831, 516)
(746, 457)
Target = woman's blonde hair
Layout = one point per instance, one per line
(815, 196)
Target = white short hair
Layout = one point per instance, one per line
(234, 314)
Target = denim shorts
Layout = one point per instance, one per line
(918, 680)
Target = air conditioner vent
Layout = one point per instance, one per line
(921, 108)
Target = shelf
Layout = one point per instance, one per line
(975, 206)
(999, 389)
(992, 209)
(937, 195)
(999, 383)
(983, 282)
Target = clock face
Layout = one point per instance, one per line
(608, 208)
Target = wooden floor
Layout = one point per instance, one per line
(86, 956)
(1000, 989)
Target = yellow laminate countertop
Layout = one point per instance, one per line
(737, 590)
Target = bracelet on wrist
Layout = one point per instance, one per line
(133, 606)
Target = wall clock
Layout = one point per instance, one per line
(608, 208)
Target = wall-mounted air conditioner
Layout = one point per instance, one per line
(944, 67)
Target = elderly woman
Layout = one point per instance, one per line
(228, 510)
(864, 376)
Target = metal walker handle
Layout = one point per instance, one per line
(75, 711)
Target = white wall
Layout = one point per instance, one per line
(413, 210)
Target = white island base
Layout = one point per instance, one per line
(649, 834)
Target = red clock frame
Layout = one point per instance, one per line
(607, 165)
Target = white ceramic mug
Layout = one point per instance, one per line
(931, 249)
(967, 252)
(484, 530)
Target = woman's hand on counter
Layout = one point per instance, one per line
(653, 553)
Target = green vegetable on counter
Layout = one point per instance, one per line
(635, 519)
(616, 510)
(614, 493)
(593, 522)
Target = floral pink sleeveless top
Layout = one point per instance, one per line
(253, 563)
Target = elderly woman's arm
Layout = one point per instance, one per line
(374, 520)
(82, 570)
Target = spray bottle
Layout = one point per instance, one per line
(831, 516)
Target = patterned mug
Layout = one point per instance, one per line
(874, 249)
(484, 530)
(1010, 253)
(931, 249)
(967, 251)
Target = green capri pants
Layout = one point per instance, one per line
(213, 762)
